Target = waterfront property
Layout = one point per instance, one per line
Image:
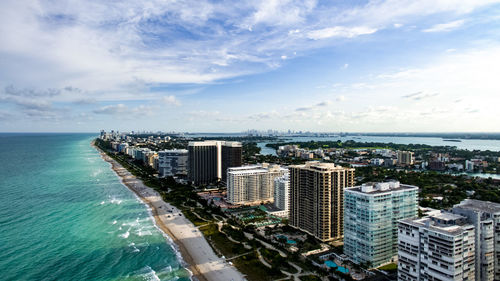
(208, 160)
(282, 194)
(317, 192)
(172, 162)
(437, 247)
(252, 184)
(371, 214)
(485, 216)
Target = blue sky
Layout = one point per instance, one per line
(229, 66)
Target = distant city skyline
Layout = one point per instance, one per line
(222, 66)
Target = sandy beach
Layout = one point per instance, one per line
(194, 248)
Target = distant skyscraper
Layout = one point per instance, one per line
(172, 162)
(231, 156)
(317, 198)
(282, 194)
(437, 247)
(371, 214)
(207, 159)
(405, 158)
(252, 184)
(485, 216)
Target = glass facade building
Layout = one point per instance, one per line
(371, 216)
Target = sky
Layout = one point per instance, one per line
(230, 66)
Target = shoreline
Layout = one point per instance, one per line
(194, 249)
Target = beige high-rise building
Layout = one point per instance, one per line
(317, 198)
(405, 158)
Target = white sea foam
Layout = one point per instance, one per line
(168, 238)
(115, 201)
(135, 249)
(144, 233)
(102, 202)
(151, 275)
(96, 173)
(125, 235)
(114, 222)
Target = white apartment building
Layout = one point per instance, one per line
(485, 216)
(252, 184)
(282, 194)
(173, 162)
(437, 247)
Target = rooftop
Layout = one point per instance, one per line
(442, 222)
(477, 205)
(215, 142)
(251, 169)
(373, 188)
(320, 166)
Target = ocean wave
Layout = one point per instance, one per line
(126, 234)
(135, 249)
(169, 239)
(115, 201)
(150, 275)
(144, 233)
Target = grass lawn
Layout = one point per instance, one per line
(310, 278)
(389, 267)
(254, 269)
(194, 219)
(221, 243)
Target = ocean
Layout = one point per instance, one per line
(64, 215)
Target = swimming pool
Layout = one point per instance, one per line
(288, 241)
(334, 265)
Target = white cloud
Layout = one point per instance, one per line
(324, 103)
(304, 108)
(420, 95)
(126, 111)
(114, 52)
(171, 100)
(112, 109)
(340, 31)
(444, 27)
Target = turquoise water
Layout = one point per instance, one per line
(288, 240)
(338, 268)
(64, 215)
